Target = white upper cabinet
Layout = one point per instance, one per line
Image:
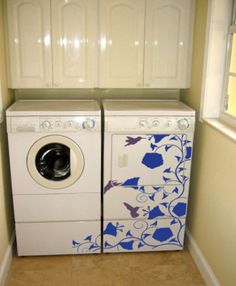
(29, 43)
(100, 43)
(121, 43)
(74, 42)
(168, 43)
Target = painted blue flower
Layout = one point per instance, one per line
(152, 160)
(180, 209)
(162, 234)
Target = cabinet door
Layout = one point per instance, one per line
(29, 43)
(168, 43)
(121, 43)
(74, 28)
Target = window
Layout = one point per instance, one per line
(218, 97)
(229, 101)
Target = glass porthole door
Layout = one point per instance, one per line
(55, 162)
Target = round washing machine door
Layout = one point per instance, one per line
(55, 162)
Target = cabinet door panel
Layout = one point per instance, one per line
(74, 26)
(29, 43)
(121, 43)
(168, 27)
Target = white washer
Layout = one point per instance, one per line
(55, 159)
(147, 160)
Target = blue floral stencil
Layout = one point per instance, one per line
(164, 203)
(142, 235)
(90, 244)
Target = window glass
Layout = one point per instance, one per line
(231, 106)
(233, 55)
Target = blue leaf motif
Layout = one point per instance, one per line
(164, 196)
(178, 158)
(166, 179)
(153, 146)
(162, 234)
(128, 233)
(173, 222)
(173, 138)
(157, 188)
(167, 147)
(152, 197)
(180, 209)
(127, 245)
(75, 243)
(155, 212)
(186, 142)
(168, 170)
(140, 245)
(159, 137)
(106, 244)
(89, 238)
(188, 152)
(154, 223)
(164, 204)
(176, 190)
(133, 182)
(142, 189)
(152, 160)
(93, 246)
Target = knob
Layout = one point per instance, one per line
(46, 124)
(183, 124)
(58, 123)
(142, 123)
(169, 123)
(70, 123)
(155, 123)
(88, 124)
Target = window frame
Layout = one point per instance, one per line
(224, 115)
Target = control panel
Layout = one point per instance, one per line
(150, 124)
(53, 124)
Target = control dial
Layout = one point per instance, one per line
(46, 124)
(70, 123)
(58, 123)
(183, 124)
(88, 124)
(142, 123)
(155, 123)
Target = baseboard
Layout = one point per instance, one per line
(4, 267)
(199, 259)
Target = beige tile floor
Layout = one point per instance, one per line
(131, 269)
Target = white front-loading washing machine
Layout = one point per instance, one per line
(147, 160)
(55, 160)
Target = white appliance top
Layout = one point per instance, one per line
(54, 108)
(146, 108)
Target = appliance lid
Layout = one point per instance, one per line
(146, 108)
(54, 107)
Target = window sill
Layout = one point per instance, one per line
(222, 127)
